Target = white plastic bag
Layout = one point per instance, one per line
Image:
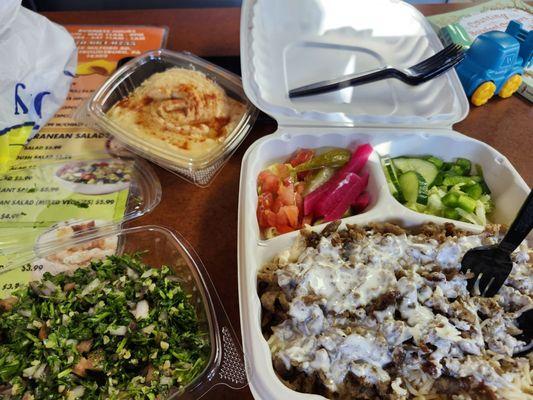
(37, 64)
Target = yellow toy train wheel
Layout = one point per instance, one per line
(483, 93)
(510, 86)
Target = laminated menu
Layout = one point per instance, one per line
(101, 48)
(70, 179)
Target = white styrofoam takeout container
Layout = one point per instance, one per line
(285, 44)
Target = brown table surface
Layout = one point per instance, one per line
(208, 217)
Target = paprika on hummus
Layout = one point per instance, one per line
(181, 107)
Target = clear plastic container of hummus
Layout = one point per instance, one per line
(170, 119)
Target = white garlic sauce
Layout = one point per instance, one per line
(329, 332)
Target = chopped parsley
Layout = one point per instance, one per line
(117, 329)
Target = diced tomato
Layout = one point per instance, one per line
(271, 218)
(282, 217)
(280, 204)
(286, 194)
(299, 201)
(277, 205)
(292, 215)
(268, 182)
(261, 218)
(299, 188)
(287, 181)
(301, 156)
(264, 204)
(284, 229)
(266, 199)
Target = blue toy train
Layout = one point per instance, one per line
(495, 62)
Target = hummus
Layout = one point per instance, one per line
(182, 108)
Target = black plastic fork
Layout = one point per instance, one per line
(422, 72)
(491, 265)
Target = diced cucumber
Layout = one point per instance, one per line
(417, 207)
(434, 202)
(438, 179)
(392, 177)
(484, 186)
(425, 168)
(466, 203)
(464, 164)
(457, 180)
(479, 171)
(450, 199)
(454, 193)
(392, 189)
(475, 191)
(398, 196)
(414, 187)
(435, 161)
(450, 213)
(456, 170)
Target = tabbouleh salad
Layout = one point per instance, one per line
(117, 329)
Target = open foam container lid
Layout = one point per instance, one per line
(285, 45)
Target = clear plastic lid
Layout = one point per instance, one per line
(285, 45)
(45, 204)
(198, 168)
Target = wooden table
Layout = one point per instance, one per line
(208, 217)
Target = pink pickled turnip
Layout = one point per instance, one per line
(314, 198)
(358, 159)
(361, 202)
(312, 202)
(334, 205)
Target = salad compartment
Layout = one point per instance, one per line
(508, 192)
(508, 189)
